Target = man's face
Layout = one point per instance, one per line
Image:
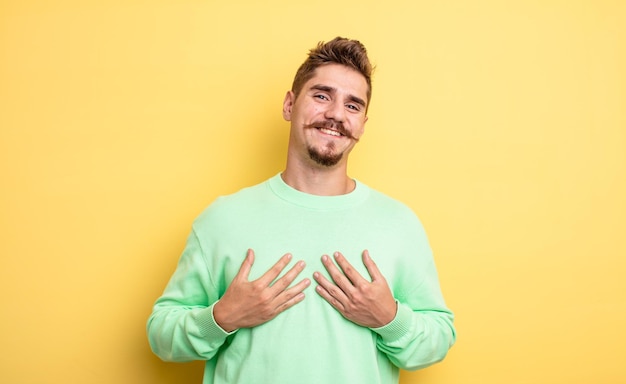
(328, 116)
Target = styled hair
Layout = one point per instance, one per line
(339, 50)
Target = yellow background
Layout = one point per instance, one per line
(501, 123)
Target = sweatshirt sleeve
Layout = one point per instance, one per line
(416, 339)
(181, 326)
(422, 331)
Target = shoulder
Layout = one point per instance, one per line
(392, 206)
(227, 207)
(394, 215)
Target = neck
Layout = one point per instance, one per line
(316, 180)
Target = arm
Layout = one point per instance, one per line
(183, 325)
(422, 331)
(413, 334)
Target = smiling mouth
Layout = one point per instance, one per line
(331, 128)
(330, 132)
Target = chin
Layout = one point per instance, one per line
(325, 159)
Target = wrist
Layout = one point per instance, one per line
(399, 326)
(389, 315)
(222, 318)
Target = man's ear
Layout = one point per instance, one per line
(290, 98)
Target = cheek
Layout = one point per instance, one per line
(316, 111)
(309, 113)
(359, 129)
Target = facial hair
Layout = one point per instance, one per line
(327, 158)
(331, 124)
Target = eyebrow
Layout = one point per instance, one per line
(329, 89)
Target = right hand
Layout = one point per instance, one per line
(246, 304)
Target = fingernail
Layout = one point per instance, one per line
(324, 258)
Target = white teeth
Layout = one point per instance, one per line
(330, 132)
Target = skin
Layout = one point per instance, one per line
(246, 304)
(337, 96)
(314, 104)
(366, 303)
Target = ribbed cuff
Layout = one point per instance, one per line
(208, 327)
(398, 327)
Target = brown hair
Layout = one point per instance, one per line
(339, 50)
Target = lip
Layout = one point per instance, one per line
(327, 131)
(323, 125)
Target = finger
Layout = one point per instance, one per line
(275, 270)
(289, 277)
(291, 292)
(291, 301)
(329, 290)
(320, 279)
(372, 268)
(336, 275)
(332, 300)
(348, 270)
(246, 265)
(333, 271)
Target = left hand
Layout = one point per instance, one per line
(367, 303)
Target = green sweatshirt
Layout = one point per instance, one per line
(310, 342)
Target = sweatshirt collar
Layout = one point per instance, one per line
(306, 200)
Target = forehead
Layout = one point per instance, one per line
(341, 78)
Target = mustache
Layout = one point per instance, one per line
(332, 124)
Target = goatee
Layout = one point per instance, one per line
(327, 159)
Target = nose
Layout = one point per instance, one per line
(335, 111)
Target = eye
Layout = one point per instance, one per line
(321, 96)
(353, 107)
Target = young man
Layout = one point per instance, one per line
(234, 302)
